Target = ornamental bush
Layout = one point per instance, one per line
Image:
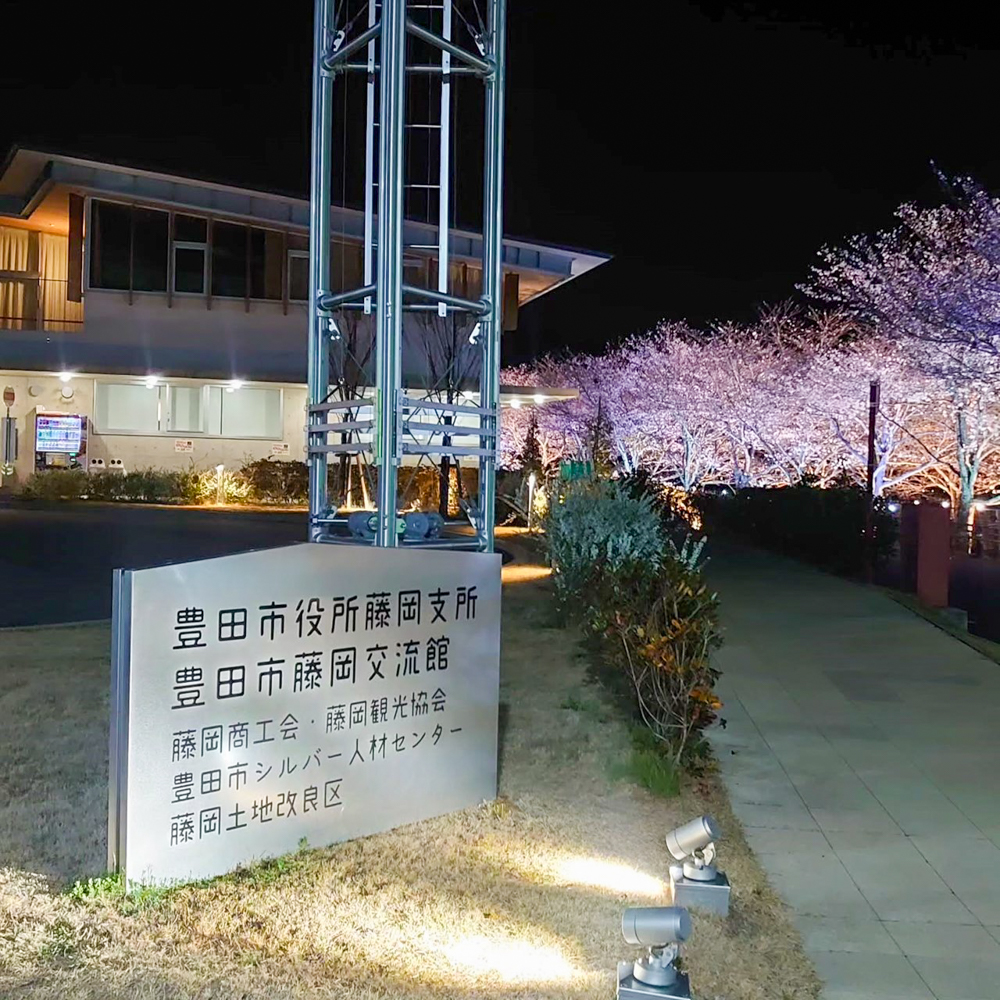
(597, 529)
(55, 484)
(661, 630)
(824, 527)
(645, 596)
(271, 480)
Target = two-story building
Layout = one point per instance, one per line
(168, 314)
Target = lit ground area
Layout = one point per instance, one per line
(518, 898)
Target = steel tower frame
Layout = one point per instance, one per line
(384, 291)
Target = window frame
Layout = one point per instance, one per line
(164, 389)
(171, 291)
(297, 255)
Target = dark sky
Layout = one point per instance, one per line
(711, 147)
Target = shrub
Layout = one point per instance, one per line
(821, 526)
(234, 488)
(273, 481)
(600, 529)
(55, 484)
(662, 630)
(143, 486)
(644, 593)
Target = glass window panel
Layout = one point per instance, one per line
(251, 413)
(347, 266)
(189, 270)
(213, 410)
(298, 278)
(265, 264)
(185, 409)
(149, 250)
(190, 229)
(229, 260)
(109, 248)
(127, 408)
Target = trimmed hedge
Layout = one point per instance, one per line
(821, 526)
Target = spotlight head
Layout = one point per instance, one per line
(656, 926)
(693, 836)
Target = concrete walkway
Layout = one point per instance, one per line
(862, 753)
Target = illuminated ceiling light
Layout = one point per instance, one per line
(515, 404)
(894, 508)
(538, 398)
(979, 506)
(234, 384)
(150, 381)
(65, 376)
(916, 503)
(945, 504)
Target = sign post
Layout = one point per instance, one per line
(309, 691)
(9, 437)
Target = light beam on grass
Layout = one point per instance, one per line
(520, 573)
(511, 959)
(613, 875)
(549, 865)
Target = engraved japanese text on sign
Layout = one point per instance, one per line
(311, 691)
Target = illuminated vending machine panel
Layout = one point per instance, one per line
(60, 441)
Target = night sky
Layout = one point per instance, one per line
(711, 147)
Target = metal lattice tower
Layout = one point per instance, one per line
(399, 423)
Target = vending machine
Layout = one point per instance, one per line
(60, 441)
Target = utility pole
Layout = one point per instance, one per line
(874, 396)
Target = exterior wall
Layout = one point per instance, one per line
(142, 450)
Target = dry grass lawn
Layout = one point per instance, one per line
(517, 898)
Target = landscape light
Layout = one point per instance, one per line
(894, 508)
(696, 882)
(694, 844)
(661, 930)
(945, 504)
(916, 503)
(515, 404)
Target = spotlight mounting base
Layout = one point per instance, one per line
(630, 988)
(701, 894)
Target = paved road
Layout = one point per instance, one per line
(55, 565)
(862, 755)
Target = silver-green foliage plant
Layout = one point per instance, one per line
(599, 528)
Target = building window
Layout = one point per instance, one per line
(244, 413)
(229, 260)
(265, 264)
(184, 409)
(298, 275)
(110, 245)
(149, 250)
(127, 408)
(206, 410)
(128, 248)
(190, 254)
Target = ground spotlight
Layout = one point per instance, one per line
(661, 930)
(696, 882)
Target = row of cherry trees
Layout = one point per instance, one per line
(785, 399)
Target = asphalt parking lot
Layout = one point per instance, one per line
(56, 563)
